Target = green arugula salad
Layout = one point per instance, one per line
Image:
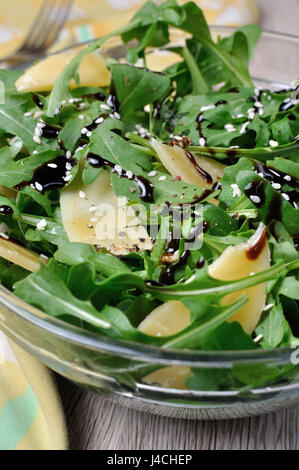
(154, 198)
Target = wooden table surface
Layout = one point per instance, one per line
(97, 424)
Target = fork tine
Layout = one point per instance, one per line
(54, 29)
(33, 39)
(41, 16)
(49, 24)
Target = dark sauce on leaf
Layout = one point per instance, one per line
(6, 210)
(255, 250)
(49, 178)
(145, 186)
(204, 174)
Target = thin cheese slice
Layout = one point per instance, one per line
(165, 320)
(43, 75)
(94, 214)
(169, 377)
(19, 255)
(241, 261)
(177, 163)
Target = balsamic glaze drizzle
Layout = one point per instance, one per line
(49, 178)
(6, 210)
(50, 131)
(145, 186)
(204, 174)
(37, 101)
(280, 178)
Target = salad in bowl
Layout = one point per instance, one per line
(154, 199)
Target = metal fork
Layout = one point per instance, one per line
(42, 34)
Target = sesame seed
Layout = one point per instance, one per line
(81, 106)
(258, 104)
(36, 139)
(205, 108)
(129, 174)
(236, 190)
(276, 185)
(3, 235)
(251, 115)
(38, 186)
(258, 338)
(40, 125)
(28, 114)
(118, 168)
(88, 134)
(67, 178)
(116, 115)
(92, 209)
(93, 219)
(38, 131)
(243, 127)
(84, 130)
(44, 256)
(99, 120)
(261, 112)
(34, 152)
(52, 165)
(162, 178)
(268, 307)
(255, 199)
(285, 196)
(202, 141)
(42, 224)
(68, 154)
(68, 166)
(273, 143)
(82, 194)
(287, 177)
(81, 116)
(152, 173)
(105, 107)
(240, 115)
(229, 128)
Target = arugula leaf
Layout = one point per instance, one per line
(14, 172)
(45, 290)
(290, 287)
(76, 253)
(273, 326)
(136, 87)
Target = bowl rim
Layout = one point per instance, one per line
(136, 351)
(129, 349)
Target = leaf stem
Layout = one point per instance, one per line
(200, 86)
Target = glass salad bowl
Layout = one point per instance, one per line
(115, 369)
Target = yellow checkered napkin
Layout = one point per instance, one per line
(30, 412)
(93, 18)
(31, 416)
